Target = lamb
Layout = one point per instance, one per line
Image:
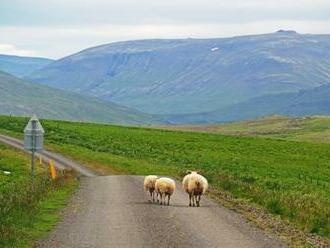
(149, 185)
(164, 187)
(195, 185)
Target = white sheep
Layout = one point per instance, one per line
(195, 185)
(149, 185)
(164, 187)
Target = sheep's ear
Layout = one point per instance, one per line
(188, 171)
(198, 171)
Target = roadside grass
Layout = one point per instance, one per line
(289, 179)
(28, 208)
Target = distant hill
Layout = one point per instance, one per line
(21, 66)
(305, 102)
(19, 97)
(308, 128)
(187, 76)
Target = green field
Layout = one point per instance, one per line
(313, 128)
(290, 179)
(28, 210)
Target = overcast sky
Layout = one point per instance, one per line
(56, 28)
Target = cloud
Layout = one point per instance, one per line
(143, 12)
(56, 28)
(56, 42)
(12, 50)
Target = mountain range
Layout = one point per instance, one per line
(182, 80)
(187, 76)
(22, 98)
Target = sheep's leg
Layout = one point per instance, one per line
(161, 198)
(189, 200)
(198, 200)
(150, 193)
(168, 200)
(193, 199)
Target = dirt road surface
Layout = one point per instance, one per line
(113, 211)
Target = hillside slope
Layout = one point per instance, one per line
(21, 66)
(302, 103)
(194, 75)
(19, 97)
(311, 128)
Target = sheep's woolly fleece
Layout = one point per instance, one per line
(149, 182)
(165, 185)
(191, 181)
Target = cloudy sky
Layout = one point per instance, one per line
(56, 28)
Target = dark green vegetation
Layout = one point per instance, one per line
(28, 210)
(21, 66)
(186, 76)
(22, 98)
(290, 179)
(313, 128)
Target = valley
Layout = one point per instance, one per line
(250, 113)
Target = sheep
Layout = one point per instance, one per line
(149, 186)
(164, 187)
(195, 185)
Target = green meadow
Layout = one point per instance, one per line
(287, 178)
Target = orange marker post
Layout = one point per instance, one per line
(52, 169)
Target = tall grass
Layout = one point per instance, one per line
(22, 198)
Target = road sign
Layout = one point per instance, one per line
(33, 135)
(33, 139)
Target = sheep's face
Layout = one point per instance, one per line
(191, 172)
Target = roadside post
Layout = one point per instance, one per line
(52, 170)
(33, 139)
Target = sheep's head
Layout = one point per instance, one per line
(192, 172)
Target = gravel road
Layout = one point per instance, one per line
(113, 211)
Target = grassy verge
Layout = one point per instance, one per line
(290, 180)
(28, 209)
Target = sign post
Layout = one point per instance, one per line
(33, 139)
